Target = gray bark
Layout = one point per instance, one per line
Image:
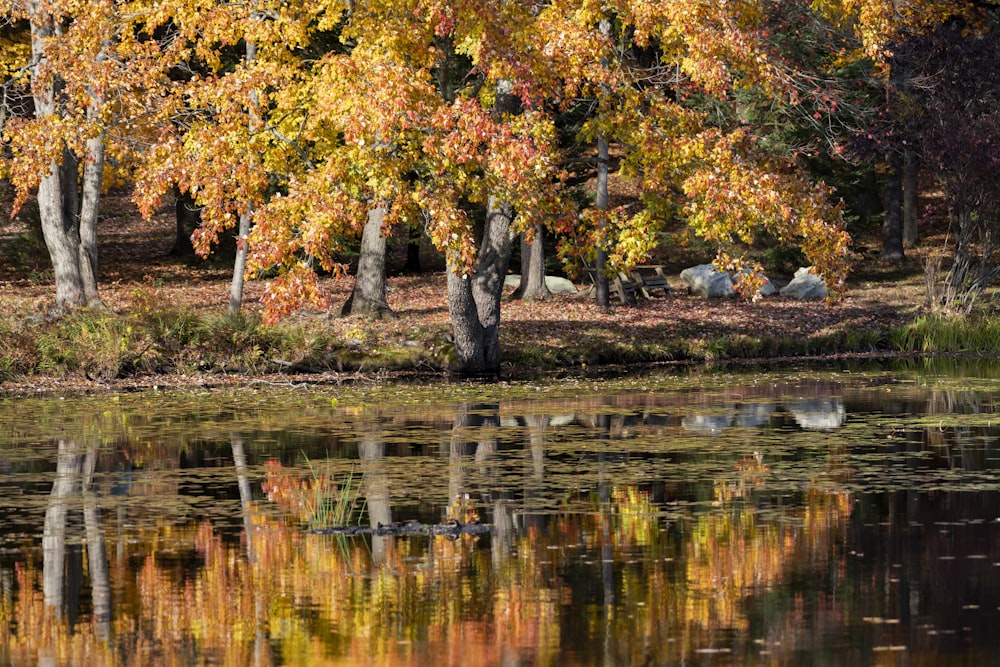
(93, 174)
(239, 266)
(532, 285)
(603, 155)
(474, 300)
(368, 298)
(73, 255)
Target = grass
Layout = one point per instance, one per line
(939, 334)
(330, 504)
(154, 337)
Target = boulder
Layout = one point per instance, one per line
(705, 280)
(766, 288)
(805, 285)
(555, 284)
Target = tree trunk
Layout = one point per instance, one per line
(911, 194)
(474, 300)
(240, 264)
(93, 175)
(603, 153)
(532, 287)
(62, 238)
(368, 298)
(72, 248)
(892, 228)
(63, 242)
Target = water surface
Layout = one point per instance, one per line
(833, 517)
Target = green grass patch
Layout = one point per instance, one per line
(939, 334)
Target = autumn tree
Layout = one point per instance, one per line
(393, 126)
(88, 71)
(216, 142)
(644, 75)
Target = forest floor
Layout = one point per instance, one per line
(136, 268)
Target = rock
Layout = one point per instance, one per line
(555, 284)
(559, 285)
(705, 280)
(805, 285)
(766, 288)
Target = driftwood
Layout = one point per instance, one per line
(410, 528)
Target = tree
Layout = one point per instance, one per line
(532, 286)
(368, 298)
(389, 128)
(87, 72)
(648, 77)
(214, 140)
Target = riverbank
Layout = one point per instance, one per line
(170, 330)
(164, 325)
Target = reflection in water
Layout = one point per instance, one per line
(761, 525)
(62, 579)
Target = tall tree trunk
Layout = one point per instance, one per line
(603, 156)
(368, 298)
(93, 175)
(62, 238)
(474, 300)
(911, 194)
(892, 228)
(240, 264)
(72, 248)
(533, 287)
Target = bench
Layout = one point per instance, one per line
(650, 277)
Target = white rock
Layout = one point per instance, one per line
(705, 280)
(805, 285)
(555, 284)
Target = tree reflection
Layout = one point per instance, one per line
(62, 580)
(616, 540)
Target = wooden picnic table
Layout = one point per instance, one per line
(649, 277)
